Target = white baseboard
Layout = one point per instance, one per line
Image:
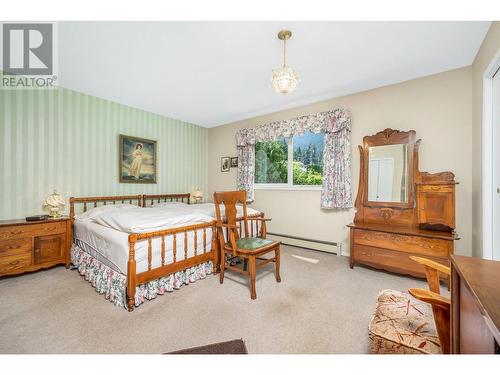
(329, 247)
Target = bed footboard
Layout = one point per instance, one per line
(180, 243)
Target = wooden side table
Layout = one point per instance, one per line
(28, 246)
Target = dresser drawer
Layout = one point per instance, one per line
(16, 262)
(436, 188)
(15, 247)
(394, 261)
(21, 231)
(404, 243)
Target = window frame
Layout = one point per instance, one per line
(289, 185)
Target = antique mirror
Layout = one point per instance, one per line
(388, 173)
(387, 169)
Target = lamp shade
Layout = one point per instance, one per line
(197, 193)
(55, 202)
(284, 80)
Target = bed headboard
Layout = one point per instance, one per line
(148, 200)
(93, 202)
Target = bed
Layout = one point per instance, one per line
(183, 200)
(131, 251)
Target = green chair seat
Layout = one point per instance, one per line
(251, 243)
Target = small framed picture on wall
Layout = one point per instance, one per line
(225, 163)
(234, 162)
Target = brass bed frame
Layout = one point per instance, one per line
(179, 234)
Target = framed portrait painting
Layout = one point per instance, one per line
(138, 159)
(234, 162)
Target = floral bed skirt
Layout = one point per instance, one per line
(113, 284)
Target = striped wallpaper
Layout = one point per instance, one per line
(61, 139)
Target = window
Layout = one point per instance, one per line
(291, 162)
(308, 159)
(271, 162)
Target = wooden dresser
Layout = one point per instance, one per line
(475, 305)
(389, 247)
(400, 211)
(29, 246)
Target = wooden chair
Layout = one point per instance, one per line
(440, 304)
(247, 248)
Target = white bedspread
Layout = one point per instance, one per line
(139, 220)
(203, 208)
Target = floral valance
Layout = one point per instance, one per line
(321, 122)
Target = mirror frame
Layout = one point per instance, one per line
(384, 138)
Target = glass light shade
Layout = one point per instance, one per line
(197, 195)
(285, 80)
(55, 202)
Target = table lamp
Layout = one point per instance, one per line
(197, 195)
(55, 202)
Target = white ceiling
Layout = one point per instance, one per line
(212, 73)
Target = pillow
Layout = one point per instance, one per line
(250, 211)
(96, 211)
(168, 204)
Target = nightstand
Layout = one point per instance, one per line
(31, 245)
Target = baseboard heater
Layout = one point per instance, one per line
(308, 243)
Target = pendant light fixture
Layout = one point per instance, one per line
(284, 80)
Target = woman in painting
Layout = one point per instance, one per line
(135, 167)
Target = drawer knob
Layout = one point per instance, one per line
(16, 232)
(14, 263)
(37, 251)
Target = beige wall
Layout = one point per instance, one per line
(487, 52)
(438, 107)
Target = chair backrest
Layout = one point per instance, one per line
(229, 199)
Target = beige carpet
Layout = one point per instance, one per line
(321, 307)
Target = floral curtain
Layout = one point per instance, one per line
(336, 125)
(246, 169)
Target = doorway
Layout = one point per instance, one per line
(491, 161)
(496, 164)
(380, 179)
